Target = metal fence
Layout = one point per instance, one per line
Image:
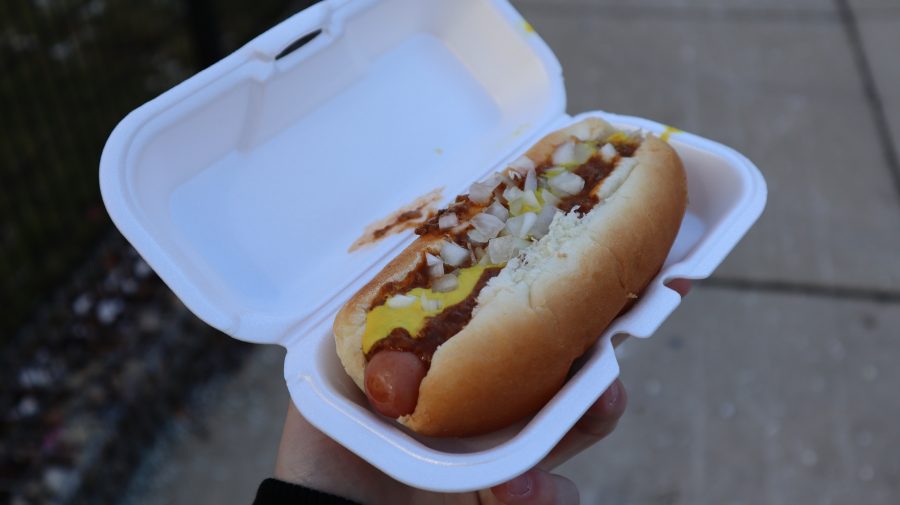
(69, 70)
(95, 353)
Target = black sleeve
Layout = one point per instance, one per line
(277, 492)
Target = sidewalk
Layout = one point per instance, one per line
(775, 382)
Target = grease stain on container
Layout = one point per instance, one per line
(667, 133)
(405, 218)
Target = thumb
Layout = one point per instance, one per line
(537, 487)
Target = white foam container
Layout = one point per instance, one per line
(244, 186)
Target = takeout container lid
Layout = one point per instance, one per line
(244, 187)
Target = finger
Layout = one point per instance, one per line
(681, 286)
(599, 421)
(537, 487)
(602, 416)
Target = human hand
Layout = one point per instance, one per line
(308, 457)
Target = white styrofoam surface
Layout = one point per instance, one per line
(244, 186)
(726, 194)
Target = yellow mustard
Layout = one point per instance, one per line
(381, 320)
(668, 133)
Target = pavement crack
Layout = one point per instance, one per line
(681, 13)
(798, 288)
(870, 90)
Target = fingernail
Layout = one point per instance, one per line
(520, 486)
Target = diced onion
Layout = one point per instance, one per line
(493, 181)
(564, 154)
(549, 198)
(514, 226)
(530, 181)
(446, 283)
(519, 226)
(453, 254)
(581, 131)
(498, 210)
(542, 223)
(522, 165)
(433, 260)
(553, 172)
(436, 270)
(428, 304)
(487, 224)
(400, 301)
(529, 199)
(515, 207)
(608, 152)
(501, 249)
(478, 237)
(512, 194)
(567, 183)
(448, 221)
(527, 224)
(480, 193)
(583, 153)
(509, 179)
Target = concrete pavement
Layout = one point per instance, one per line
(775, 382)
(220, 450)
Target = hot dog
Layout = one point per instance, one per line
(476, 324)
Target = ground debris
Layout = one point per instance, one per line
(95, 373)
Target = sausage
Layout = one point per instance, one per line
(392, 382)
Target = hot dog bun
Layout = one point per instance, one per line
(547, 306)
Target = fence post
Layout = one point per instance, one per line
(206, 33)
